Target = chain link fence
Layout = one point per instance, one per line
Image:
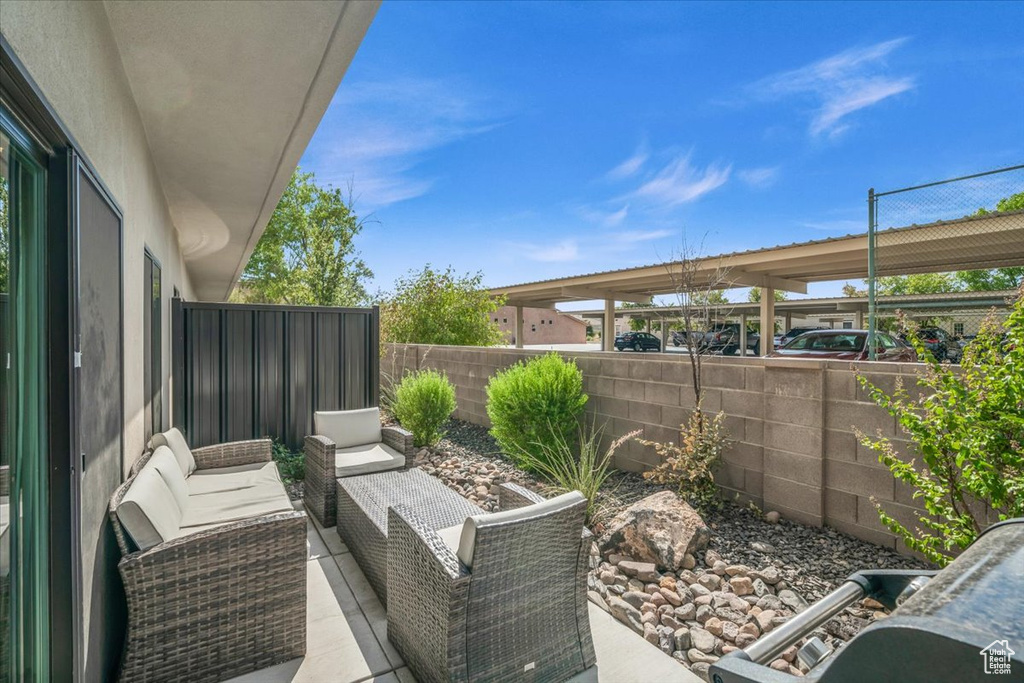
(959, 237)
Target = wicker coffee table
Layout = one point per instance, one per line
(363, 504)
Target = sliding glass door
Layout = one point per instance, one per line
(24, 539)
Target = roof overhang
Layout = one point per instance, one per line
(230, 94)
(994, 240)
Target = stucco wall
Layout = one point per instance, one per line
(792, 422)
(68, 50)
(541, 326)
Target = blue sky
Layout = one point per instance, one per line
(538, 140)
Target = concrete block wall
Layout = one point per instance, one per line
(793, 423)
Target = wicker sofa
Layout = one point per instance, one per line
(213, 562)
(498, 597)
(348, 443)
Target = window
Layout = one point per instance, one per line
(551, 322)
(958, 329)
(152, 333)
(504, 320)
(541, 322)
(847, 324)
(495, 320)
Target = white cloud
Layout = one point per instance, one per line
(609, 219)
(634, 236)
(759, 177)
(564, 250)
(631, 165)
(841, 85)
(679, 182)
(376, 133)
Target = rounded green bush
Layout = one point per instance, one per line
(424, 401)
(535, 404)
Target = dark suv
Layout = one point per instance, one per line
(638, 341)
(940, 344)
(795, 332)
(724, 338)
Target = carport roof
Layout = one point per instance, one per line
(990, 241)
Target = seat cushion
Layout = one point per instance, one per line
(349, 462)
(451, 536)
(148, 511)
(174, 440)
(475, 524)
(164, 462)
(347, 428)
(232, 506)
(221, 479)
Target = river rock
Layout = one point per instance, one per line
(660, 529)
(702, 640)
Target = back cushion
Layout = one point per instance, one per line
(148, 511)
(348, 428)
(164, 462)
(174, 440)
(478, 523)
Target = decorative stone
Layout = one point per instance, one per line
(681, 638)
(760, 547)
(780, 665)
(668, 582)
(635, 585)
(772, 517)
(730, 630)
(697, 589)
(761, 588)
(699, 657)
(769, 575)
(742, 585)
(685, 612)
(710, 557)
(750, 628)
(615, 558)
(709, 581)
(790, 654)
(648, 607)
(771, 602)
(644, 571)
(666, 640)
(635, 598)
(659, 529)
(689, 561)
(737, 570)
(607, 578)
(702, 600)
(658, 599)
(704, 613)
(651, 634)
(670, 596)
(701, 669)
(792, 601)
(670, 621)
(701, 640)
(626, 613)
(684, 592)
(687, 577)
(744, 639)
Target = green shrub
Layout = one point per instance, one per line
(691, 465)
(570, 468)
(423, 402)
(535, 403)
(291, 464)
(967, 428)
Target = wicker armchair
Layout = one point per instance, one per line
(218, 602)
(338, 450)
(519, 611)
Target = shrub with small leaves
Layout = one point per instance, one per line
(423, 402)
(692, 463)
(967, 429)
(291, 464)
(534, 403)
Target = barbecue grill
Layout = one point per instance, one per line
(963, 623)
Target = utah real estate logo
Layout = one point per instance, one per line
(997, 657)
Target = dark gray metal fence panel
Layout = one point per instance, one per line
(248, 371)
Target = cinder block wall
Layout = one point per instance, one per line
(792, 422)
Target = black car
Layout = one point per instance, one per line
(793, 333)
(940, 344)
(637, 341)
(724, 338)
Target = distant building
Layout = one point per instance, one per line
(541, 326)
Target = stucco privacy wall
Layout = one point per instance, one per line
(69, 51)
(792, 422)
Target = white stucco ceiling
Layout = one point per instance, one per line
(230, 94)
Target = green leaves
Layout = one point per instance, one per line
(306, 255)
(968, 430)
(423, 402)
(435, 307)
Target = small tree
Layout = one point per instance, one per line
(968, 431)
(307, 256)
(754, 295)
(440, 307)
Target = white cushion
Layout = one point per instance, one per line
(221, 479)
(148, 511)
(348, 428)
(232, 506)
(377, 457)
(164, 462)
(174, 440)
(467, 539)
(451, 536)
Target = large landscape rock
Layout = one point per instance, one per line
(660, 529)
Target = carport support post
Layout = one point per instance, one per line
(648, 320)
(789, 322)
(664, 338)
(859, 322)
(767, 320)
(519, 327)
(743, 334)
(608, 331)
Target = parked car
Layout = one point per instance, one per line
(794, 333)
(845, 345)
(679, 337)
(724, 338)
(940, 344)
(638, 341)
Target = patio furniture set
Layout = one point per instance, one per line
(213, 560)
